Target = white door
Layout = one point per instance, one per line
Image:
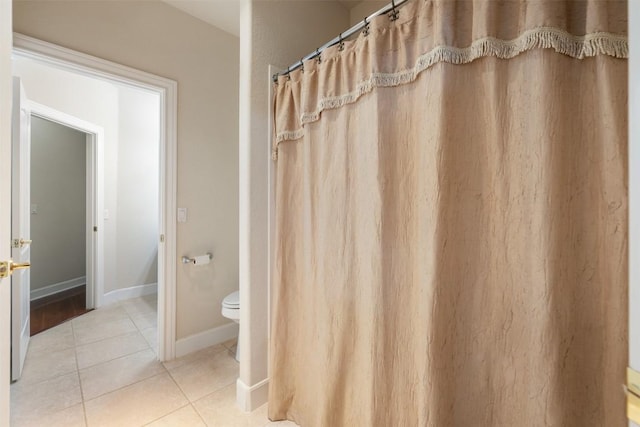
(20, 225)
(5, 203)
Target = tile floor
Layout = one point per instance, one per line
(100, 369)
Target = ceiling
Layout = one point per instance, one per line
(225, 14)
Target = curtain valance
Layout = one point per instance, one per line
(453, 31)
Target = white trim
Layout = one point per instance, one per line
(167, 89)
(251, 398)
(206, 339)
(131, 292)
(45, 291)
(94, 196)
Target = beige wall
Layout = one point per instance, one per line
(364, 9)
(277, 33)
(157, 38)
(58, 231)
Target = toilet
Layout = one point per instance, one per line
(231, 310)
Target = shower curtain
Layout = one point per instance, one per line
(451, 221)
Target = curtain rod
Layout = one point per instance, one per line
(390, 9)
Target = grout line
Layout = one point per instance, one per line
(126, 386)
(198, 412)
(166, 415)
(75, 353)
(148, 347)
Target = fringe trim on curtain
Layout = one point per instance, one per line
(287, 135)
(579, 47)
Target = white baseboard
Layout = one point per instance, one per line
(206, 339)
(251, 398)
(57, 287)
(126, 293)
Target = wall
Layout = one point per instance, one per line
(157, 38)
(138, 188)
(364, 9)
(58, 230)
(277, 33)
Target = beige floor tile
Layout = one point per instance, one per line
(191, 357)
(151, 335)
(108, 329)
(57, 338)
(145, 320)
(110, 348)
(42, 365)
(100, 316)
(140, 305)
(69, 417)
(205, 375)
(137, 404)
(183, 417)
(114, 374)
(219, 409)
(33, 401)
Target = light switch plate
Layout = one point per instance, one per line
(182, 214)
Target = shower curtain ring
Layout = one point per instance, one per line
(318, 55)
(341, 44)
(302, 64)
(393, 15)
(366, 27)
(288, 73)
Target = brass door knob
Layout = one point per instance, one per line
(7, 267)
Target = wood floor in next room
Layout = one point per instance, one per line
(100, 369)
(52, 310)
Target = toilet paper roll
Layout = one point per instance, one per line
(202, 259)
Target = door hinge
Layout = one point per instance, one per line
(162, 238)
(19, 243)
(95, 228)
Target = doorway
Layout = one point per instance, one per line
(166, 93)
(58, 210)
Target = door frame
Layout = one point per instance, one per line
(91, 66)
(634, 187)
(94, 196)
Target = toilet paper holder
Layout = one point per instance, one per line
(187, 260)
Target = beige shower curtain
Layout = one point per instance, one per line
(451, 226)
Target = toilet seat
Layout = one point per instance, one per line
(231, 310)
(232, 301)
